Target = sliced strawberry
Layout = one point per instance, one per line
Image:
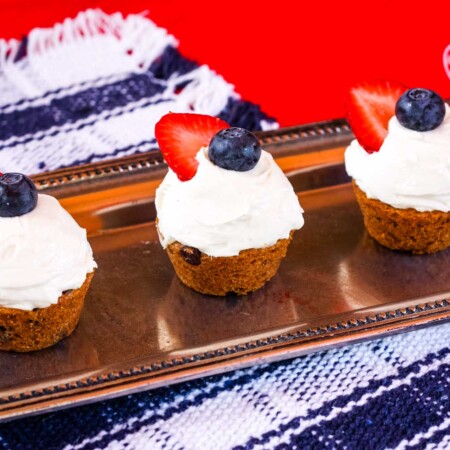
(181, 135)
(370, 105)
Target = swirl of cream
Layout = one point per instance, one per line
(42, 254)
(411, 169)
(222, 212)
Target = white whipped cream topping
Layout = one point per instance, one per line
(411, 169)
(222, 212)
(42, 254)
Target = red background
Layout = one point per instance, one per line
(295, 58)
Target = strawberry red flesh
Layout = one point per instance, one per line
(181, 135)
(369, 106)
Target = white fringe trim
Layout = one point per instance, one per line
(8, 50)
(141, 40)
(267, 126)
(206, 93)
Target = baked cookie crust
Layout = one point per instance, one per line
(404, 229)
(230, 275)
(26, 331)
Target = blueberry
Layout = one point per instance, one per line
(420, 109)
(18, 195)
(235, 149)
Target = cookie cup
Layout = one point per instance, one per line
(26, 331)
(404, 229)
(227, 275)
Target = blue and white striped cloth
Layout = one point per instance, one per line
(386, 394)
(92, 88)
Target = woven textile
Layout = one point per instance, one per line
(387, 394)
(92, 88)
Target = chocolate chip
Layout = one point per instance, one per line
(191, 255)
(231, 294)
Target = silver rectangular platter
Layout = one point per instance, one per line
(142, 329)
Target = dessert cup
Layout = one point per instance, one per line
(403, 188)
(225, 211)
(45, 271)
(407, 229)
(24, 331)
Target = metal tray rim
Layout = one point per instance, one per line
(295, 140)
(354, 324)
